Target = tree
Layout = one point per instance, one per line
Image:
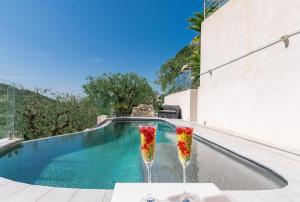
(195, 25)
(121, 92)
(170, 77)
(62, 113)
(194, 64)
(169, 72)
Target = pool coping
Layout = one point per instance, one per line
(285, 165)
(7, 144)
(103, 124)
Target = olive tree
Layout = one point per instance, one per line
(120, 92)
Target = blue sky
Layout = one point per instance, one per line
(56, 44)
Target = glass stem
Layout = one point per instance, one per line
(150, 197)
(184, 176)
(149, 172)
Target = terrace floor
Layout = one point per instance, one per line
(284, 164)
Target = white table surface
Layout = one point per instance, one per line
(166, 192)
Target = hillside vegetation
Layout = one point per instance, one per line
(42, 113)
(37, 115)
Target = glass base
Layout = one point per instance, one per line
(149, 198)
(188, 197)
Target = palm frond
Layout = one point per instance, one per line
(195, 24)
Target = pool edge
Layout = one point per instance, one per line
(289, 192)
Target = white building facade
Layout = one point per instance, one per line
(257, 96)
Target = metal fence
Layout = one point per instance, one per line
(210, 6)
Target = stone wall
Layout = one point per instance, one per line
(143, 110)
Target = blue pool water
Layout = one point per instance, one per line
(100, 158)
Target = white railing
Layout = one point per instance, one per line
(285, 39)
(210, 6)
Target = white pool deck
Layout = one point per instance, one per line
(285, 164)
(204, 192)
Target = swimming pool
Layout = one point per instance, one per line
(100, 158)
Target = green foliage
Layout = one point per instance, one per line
(42, 113)
(170, 77)
(63, 113)
(171, 70)
(119, 92)
(194, 63)
(195, 25)
(195, 22)
(210, 10)
(35, 115)
(7, 109)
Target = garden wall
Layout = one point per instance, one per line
(187, 100)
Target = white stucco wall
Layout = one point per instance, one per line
(257, 97)
(187, 100)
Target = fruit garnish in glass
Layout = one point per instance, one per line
(148, 140)
(184, 146)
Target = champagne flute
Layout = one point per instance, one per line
(148, 140)
(184, 146)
